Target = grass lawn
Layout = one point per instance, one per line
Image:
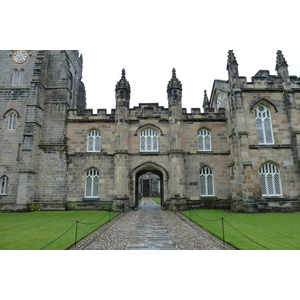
(34, 230)
(275, 231)
(156, 200)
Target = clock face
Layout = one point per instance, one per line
(20, 56)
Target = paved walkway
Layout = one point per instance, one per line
(150, 232)
(150, 228)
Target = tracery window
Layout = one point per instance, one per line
(264, 125)
(206, 182)
(270, 180)
(149, 141)
(3, 185)
(92, 184)
(11, 123)
(94, 141)
(204, 140)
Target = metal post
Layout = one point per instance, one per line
(76, 230)
(223, 230)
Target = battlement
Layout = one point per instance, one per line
(145, 111)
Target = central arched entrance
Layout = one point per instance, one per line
(149, 181)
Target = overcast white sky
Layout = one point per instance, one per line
(148, 39)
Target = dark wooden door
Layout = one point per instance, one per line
(146, 187)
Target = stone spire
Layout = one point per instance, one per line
(123, 87)
(205, 100)
(282, 67)
(174, 83)
(280, 60)
(231, 59)
(232, 68)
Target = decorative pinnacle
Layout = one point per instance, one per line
(231, 58)
(280, 60)
(205, 100)
(174, 83)
(123, 82)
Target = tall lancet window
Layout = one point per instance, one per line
(206, 182)
(264, 125)
(92, 184)
(11, 122)
(3, 185)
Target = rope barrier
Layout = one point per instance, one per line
(206, 219)
(58, 237)
(76, 231)
(223, 230)
(93, 222)
(246, 236)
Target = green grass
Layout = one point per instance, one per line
(275, 231)
(156, 200)
(34, 230)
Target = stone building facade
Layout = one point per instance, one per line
(241, 152)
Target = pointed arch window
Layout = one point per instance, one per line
(149, 141)
(11, 122)
(206, 182)
(3, 185)
(92, 184)
(270, 180)
(204, 140)
(94, 141)
(264, 125)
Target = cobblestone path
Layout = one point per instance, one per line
(150, 228)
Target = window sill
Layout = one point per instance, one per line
(91, 199)
(205, 151)
(273, 146)
(149, 153)
(208, 197)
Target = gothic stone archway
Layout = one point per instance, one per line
(145, 169)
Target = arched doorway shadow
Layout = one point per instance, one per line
(141, 174)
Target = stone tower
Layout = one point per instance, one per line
(37, 88)
(177, 178)
(121, 156)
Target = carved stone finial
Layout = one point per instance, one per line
(205, 100)
(280, 60)
(231, 59)
(174, 83)
(123, 82)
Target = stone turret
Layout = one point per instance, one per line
(174, 90)
(122, 98)
(123, 91)
(282, 67)
(177, 187)
(121, 157)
